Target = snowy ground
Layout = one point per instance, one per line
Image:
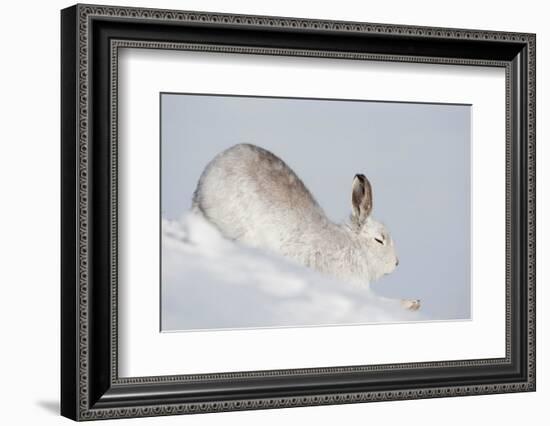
(209, 282)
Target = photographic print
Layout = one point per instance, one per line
(292, 212)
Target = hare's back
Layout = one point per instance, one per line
(246, 187)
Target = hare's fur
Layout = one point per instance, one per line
(253, 197)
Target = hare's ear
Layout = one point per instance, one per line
(361, 198)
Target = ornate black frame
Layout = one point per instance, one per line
(90, 38)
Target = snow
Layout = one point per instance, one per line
(209, 282)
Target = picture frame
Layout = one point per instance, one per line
(91, 387)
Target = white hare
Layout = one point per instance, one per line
(253, 197)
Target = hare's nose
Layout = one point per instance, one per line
(396, 261)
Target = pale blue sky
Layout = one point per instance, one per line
(417, 157)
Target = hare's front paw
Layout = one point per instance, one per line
(411, 305)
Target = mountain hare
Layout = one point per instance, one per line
(253, 197)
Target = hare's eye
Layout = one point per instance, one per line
(378, 240)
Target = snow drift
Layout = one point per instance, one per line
(209, 282)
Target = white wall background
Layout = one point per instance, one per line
(29, 225)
